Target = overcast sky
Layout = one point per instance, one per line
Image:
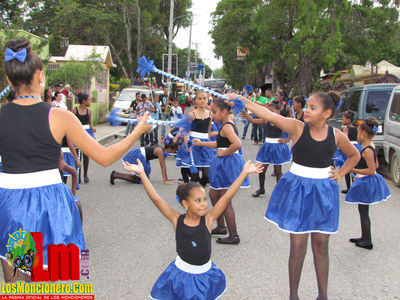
(201, 26)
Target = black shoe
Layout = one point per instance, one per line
(243, 137)
(217, 230)
(230, 240)
(354, 240)
(344, 191)
(273, 174)
(112, 178)
(86, 179)
(365, 245)
(258, 193)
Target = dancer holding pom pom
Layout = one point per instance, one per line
(192, 275)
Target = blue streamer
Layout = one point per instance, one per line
(5, 91)
(291, 107)
(340, 104)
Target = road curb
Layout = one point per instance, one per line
(109, 138)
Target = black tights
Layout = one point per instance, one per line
(349, 180)
(204, 176)
(365, 223)
(298, 249)
(228, 214)
(261, 176)
(185, 172)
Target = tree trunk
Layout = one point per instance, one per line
(128, 50)
(305, 70)
(138, 41)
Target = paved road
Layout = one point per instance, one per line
(131, 244)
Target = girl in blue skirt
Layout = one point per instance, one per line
(272, 151)
(225, 168)
(369, 187)
(84, 115)
(306, 199)
(192, 275)
(32, 195)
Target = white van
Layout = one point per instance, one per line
(392, 135)
(127, 95)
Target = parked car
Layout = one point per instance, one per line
(369, 100)
(127, 95)
(392, 135)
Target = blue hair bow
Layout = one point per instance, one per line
(239, 105)
(19, 55)
(375, 128)
(248, 88)
(177, 199)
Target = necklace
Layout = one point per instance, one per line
(28, 96)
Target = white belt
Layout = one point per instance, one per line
(237, 151)
(193, 269)
(143, 151)
(87, 126)
(29, 180)
(65, 150)
(170, 135)
(272, 140)
(199, 135)
(308, 172)
(361, 175)
(354, 142)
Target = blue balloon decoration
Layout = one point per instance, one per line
(145, 66)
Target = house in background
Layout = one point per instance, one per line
(98, 90)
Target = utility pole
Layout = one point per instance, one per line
(189, 50)
(170, 33)
(197, 55)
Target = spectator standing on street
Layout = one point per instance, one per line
(57, 88)
(156, 116)
(165, 107)
(58, 101)
(182, 102)
(48, 95)
(132, 113)
(257, 131)
(176, 110)
(141, 108)
(68, 96)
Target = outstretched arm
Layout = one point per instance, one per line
(251, 119)
(160, 154)
(289, 125)
(63, 122)
(223, 202)
(159, 202)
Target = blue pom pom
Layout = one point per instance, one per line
(248, 88)
(145, 66)
(184, 124)
(113, 118)
(193, 170)
(179, 116)
(291, 102)
(239, 105)
(200, 67)
(189, 143)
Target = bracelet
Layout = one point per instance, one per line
(338, 177)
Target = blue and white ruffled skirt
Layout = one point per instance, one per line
(225, 170)
(305, 200)
(68, 159)
(138, 153)
(368, 190)
(183, 281)
(89, 130)
(39, 202)
(202, 156)
(274, 153)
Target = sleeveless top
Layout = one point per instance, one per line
(273, 131)
(353, 132)
(315, 154)
(26, 142)
(284, 112)
(302, 117)
(193, 244)
(224, 142)
(362, 164)
(150, 153)
(64, 142)
(201, 125)
(83, 118)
